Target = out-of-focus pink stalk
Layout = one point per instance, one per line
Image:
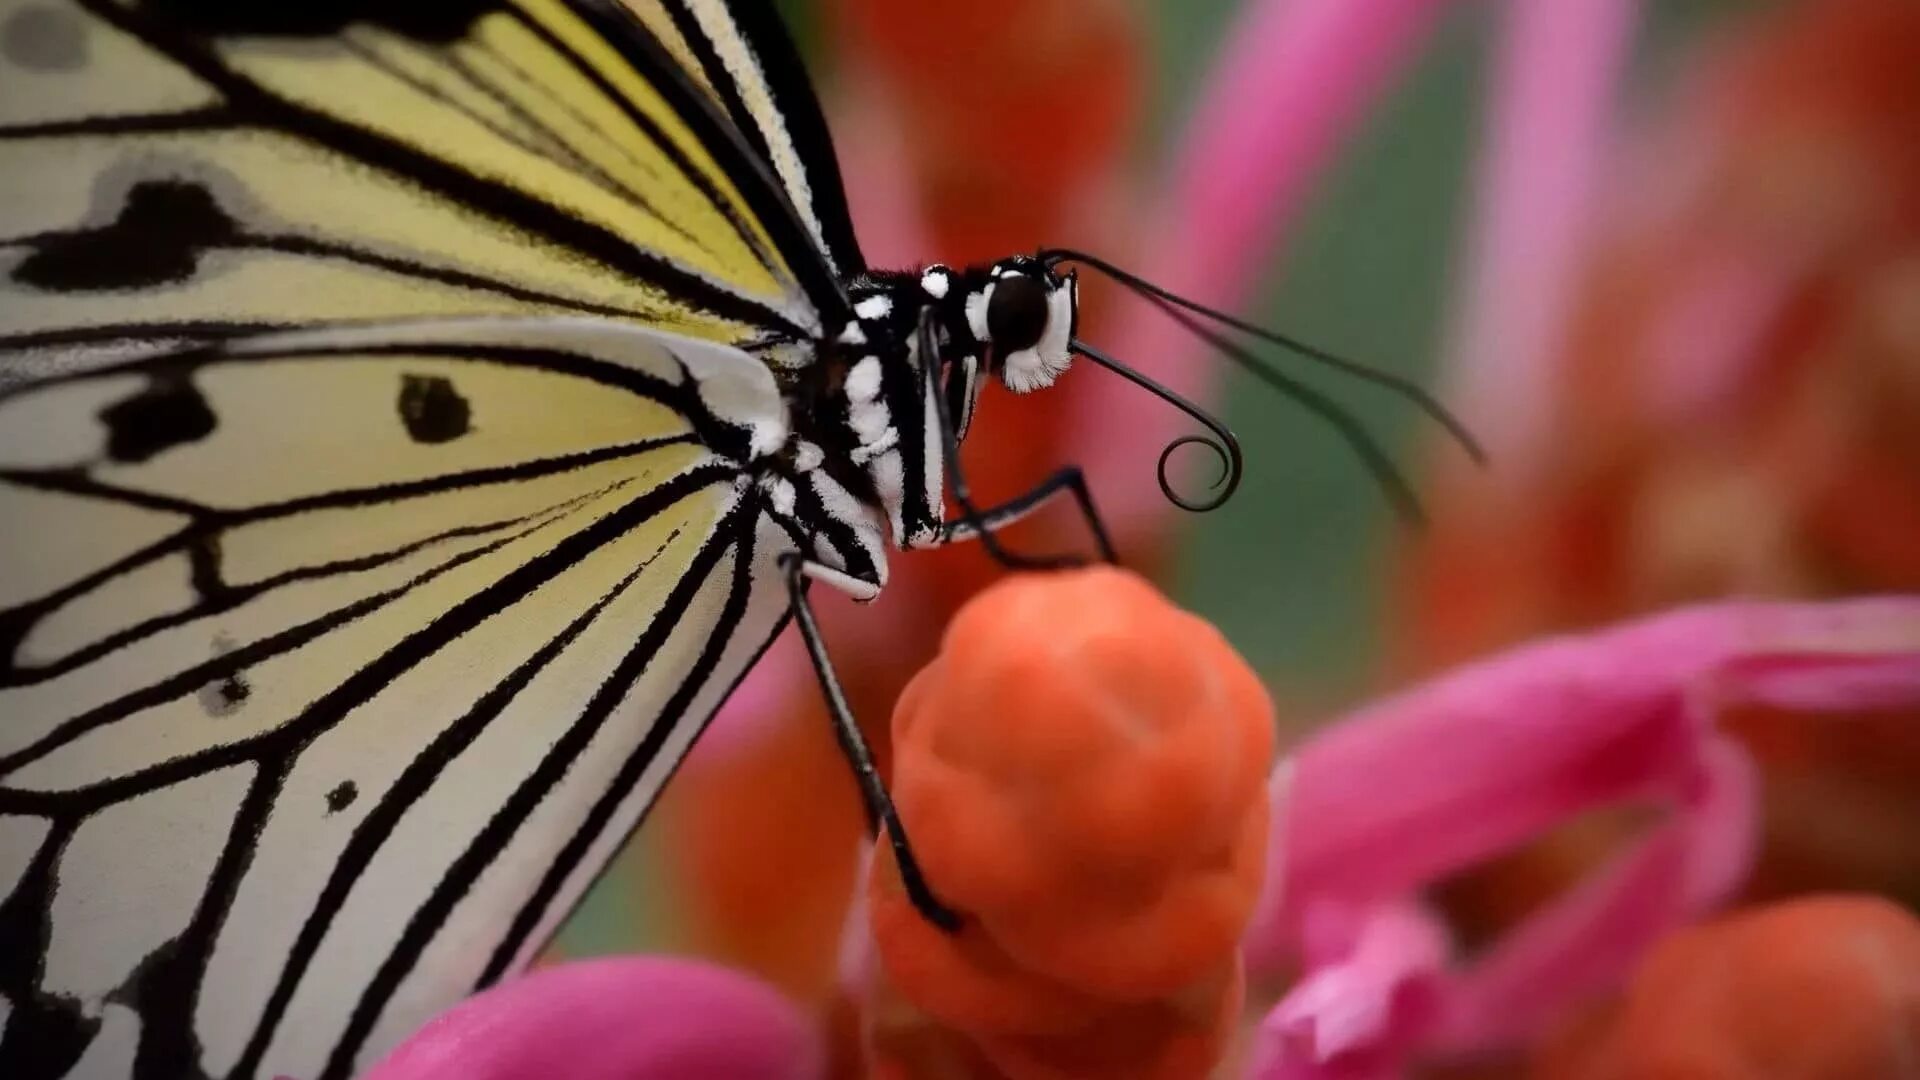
(616, 1018)
(1549, 128)
(1294, 80)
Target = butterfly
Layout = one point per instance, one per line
(415, 418)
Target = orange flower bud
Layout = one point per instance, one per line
(1082, 773)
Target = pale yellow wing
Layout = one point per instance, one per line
(376, 532)
(209, 168)
(333, 672)
(740, 56)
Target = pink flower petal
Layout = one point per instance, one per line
(632, 1018)
(1420, 786)
(1353, 1016)
(1591, 939)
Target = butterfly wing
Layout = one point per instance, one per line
(740, 56)
(295, 755)
(368, 594)
(207, 168)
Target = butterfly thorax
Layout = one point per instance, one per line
(875, 410)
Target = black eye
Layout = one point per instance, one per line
(1017, 314)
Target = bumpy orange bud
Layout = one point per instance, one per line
(1082, 773)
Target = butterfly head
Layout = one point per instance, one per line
(1024, 315)
(1013, 320)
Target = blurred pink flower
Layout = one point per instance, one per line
(634, 1018)
(1418, 787)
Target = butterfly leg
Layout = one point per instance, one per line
(1069, 481)
(873, 790)
(977, 523)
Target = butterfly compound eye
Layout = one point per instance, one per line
(1017, 313)
(1026, 315)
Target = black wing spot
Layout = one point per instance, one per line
(40, 38)
(225, 695)
(170, 412)
(158, 237)
(432, 409)
(342, 796)
(430, 21)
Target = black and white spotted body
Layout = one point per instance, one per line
(880, 414)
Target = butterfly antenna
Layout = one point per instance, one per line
(1406, 388)
(1379, 464)
(1224, 445)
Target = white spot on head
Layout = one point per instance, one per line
(977, 313)
(874, 307)
(936, 281)
(853, 335)
(807, 456)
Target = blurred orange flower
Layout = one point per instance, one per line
(1825, 988)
